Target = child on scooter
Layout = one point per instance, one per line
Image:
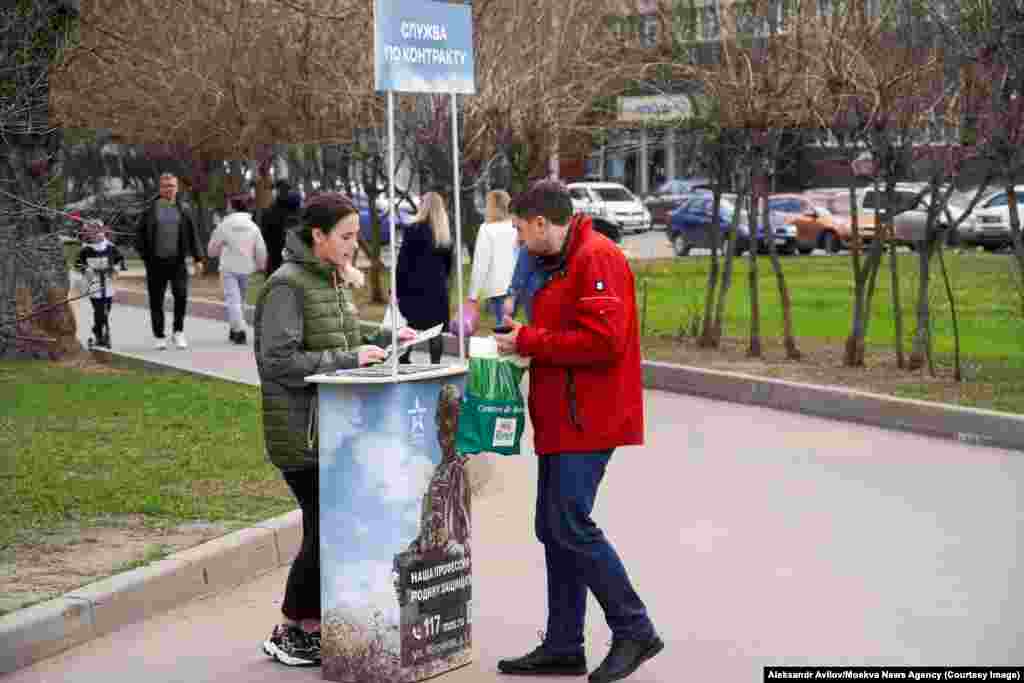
(97, 261)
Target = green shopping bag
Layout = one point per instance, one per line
(493, 415)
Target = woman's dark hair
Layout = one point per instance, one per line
(323, 211)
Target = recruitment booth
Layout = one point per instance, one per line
(395, 541)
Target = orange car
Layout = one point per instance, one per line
(822, 220)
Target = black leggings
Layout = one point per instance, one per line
(101, 316)
(302, 592)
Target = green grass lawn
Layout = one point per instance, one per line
(821, 288)
(82, 446)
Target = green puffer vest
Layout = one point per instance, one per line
(329, 323)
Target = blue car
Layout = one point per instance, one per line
(690, 227)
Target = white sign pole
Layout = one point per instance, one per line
(458, 223)
(391, 228)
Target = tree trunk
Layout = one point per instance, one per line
(788, 340)
(708, 335)
(957, 371)
(374, 249)
(754, 345)
(864, 287)
(855, 340)
(706, 339)
(36, 319)
(921, 348)
(897, 308)
(1015, 232)
(723, 292)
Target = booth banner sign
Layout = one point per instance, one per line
(422, 46)
(395, 550)
(655, 108)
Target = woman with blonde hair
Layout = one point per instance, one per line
(494, 257)
(424, 267)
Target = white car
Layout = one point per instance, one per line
(612, 202)
(991, 225)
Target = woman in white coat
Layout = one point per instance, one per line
(495, 256)
(239, 244)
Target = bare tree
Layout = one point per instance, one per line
(871, 89)
(749, 86)
(35, 318)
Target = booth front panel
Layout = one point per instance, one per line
(396, 572)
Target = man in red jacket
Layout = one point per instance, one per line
(586, 399)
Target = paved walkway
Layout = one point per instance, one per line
(756, 537)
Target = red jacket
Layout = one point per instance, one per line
(584, 341)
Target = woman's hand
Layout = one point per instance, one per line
(406, 334)
(370, 354)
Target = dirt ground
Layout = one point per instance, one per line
(59, 562)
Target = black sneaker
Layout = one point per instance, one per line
(542, 663)
(624, 657)
(292, 646)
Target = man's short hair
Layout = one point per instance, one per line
(283, 187)
(239, 203)
(547, 198)
(168, 174)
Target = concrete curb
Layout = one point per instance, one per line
(46, 629)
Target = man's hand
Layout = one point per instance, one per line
(370, 354)
(508, 306)
(507, 342)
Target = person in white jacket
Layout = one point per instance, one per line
(495, 256)
(239, 244)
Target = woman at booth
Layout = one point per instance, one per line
(306, 323)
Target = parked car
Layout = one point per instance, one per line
(910, 204)
(612, 202)
(666, 197)
(818, 226)
(608, 229)
(991, 225)
(690, 226)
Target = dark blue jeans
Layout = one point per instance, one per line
(578, 555)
